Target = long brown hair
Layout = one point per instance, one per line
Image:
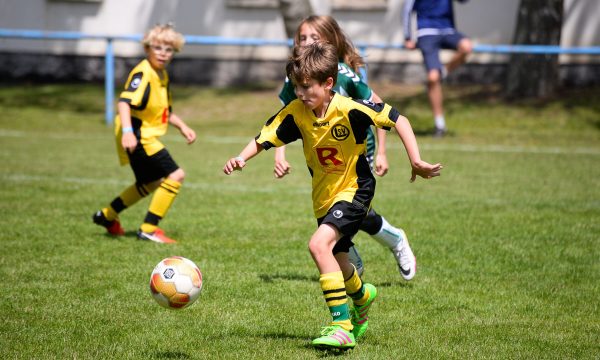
(329, 30)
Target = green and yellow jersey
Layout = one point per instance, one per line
(334, 146)
(349, 84)
(150, 100)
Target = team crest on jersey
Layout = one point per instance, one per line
(135, 83)
(338, 214)
(340, 132)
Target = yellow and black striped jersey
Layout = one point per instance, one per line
(334, 146)
(150, 100)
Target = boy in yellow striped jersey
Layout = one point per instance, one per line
(333, 130)
(145, 113)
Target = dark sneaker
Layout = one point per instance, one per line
(439, 132)
(113, 227)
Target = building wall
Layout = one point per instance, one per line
(485, 21)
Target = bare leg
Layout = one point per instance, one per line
(465, 47)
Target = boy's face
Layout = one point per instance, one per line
(312, 93)
(159, 54)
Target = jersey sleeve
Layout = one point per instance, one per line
(135, 89)
(382, 115)
(287, 94)
(279, 130)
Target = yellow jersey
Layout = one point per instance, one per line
(149, 97)
(334, 146)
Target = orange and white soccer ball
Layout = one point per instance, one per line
(176, 282)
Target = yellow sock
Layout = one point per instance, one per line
(356, 290)
(334, 291)
(128, 197)
(161, 202)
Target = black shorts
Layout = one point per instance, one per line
(347, 218)
(151, 168)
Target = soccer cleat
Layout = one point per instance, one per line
(113, 227)
(439, 132)
(359, 317)
(157, 236)
(407, 262)
(335, 336)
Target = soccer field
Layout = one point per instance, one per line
(507, 239)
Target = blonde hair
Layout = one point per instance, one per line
(164, 34)
(317, 61)
(329, 30)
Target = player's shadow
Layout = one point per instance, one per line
(269, 278)
(307, 345)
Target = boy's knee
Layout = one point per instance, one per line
(433, 76)
(177, 175)
(465, 46)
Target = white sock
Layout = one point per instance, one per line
(388, 235)
(440, 122)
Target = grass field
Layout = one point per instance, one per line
(507, 240)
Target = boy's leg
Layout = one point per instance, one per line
(159, 206)
(109, 216)
(463, 47)
(430, 48)
(362, 296)
(339, 333)
(394, 239)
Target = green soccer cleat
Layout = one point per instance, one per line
(359, 317)
(335, 336)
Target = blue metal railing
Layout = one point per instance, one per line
(217, 40)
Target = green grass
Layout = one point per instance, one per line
(508, 239)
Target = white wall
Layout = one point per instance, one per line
(486, 21)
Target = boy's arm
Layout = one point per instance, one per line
(419, 167)
(128, 139)
(282, 167)
(381, 163)
(188, 133)
(238, 162)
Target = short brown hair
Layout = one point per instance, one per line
(317, 61)
(164, 34)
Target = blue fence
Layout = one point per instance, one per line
(217, 40)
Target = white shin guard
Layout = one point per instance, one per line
(388, 235)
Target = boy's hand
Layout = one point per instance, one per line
(381, 165)
(282, 168)
(425, 170)
(188, 134)
(236, 163)
(128, 141)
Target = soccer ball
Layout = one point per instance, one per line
(176, 282)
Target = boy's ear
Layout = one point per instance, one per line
(329, 83)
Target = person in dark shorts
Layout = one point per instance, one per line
(435, 31)
(145, 112)
(333, 130)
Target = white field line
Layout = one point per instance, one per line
(244, 140)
